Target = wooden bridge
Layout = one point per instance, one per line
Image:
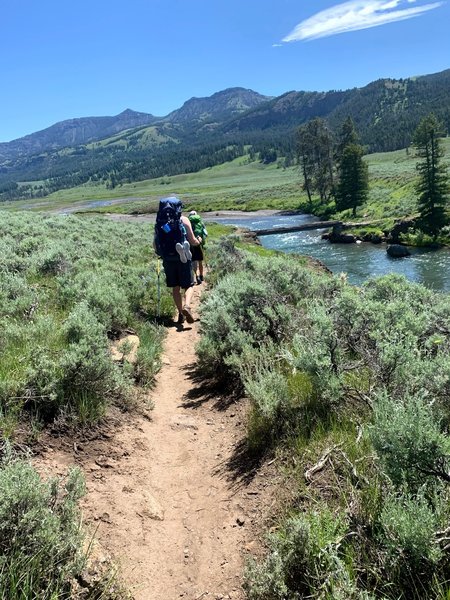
(314, 225)
(302, 227)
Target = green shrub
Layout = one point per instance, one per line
(148, 355)
(241, 315)
(408, 439)
(408, 528)
(53, 261)
(86, 364)
(304, 561)
(40, 536)
(317, 352)
(16, 296)
(268, 392)
(66, 283)
(223, 257)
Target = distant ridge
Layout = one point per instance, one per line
(218, 107)
(379, 105)
(74, 132)
(204, 132)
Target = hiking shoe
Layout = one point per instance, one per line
(199, 280)
(181, 319)
(187, 250)
(181, 251)
(187, 313)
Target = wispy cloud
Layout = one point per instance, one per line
(355, 14)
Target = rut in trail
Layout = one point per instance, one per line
(167, 495)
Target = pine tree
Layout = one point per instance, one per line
(314, 151)
(433, 185)
(353, 183)
(305, 160)
(347, 136)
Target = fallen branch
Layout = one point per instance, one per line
(319, 464)
(355, 474)
(326, 457)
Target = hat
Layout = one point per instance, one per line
(193, 212)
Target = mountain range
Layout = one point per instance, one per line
(204, 131)
(195, 113)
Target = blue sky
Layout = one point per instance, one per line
(64, 59)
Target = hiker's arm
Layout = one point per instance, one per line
(194, 241)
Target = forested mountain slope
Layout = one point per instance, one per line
(208, 131)
(73, 132)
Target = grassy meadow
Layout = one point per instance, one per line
(245, 185)
(238, 184)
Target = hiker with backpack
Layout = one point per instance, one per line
(197, 251)
(173, 238)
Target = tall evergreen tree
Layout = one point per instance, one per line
(314, 151)
(353, 184)
(305, 159)
(353, 176)
(433, 185)
(347, 136)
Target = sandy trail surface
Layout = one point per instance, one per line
(172, 497)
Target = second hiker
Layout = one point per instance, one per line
(172, 241)
(197, 251)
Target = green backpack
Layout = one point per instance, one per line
(198, 228)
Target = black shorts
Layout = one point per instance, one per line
(197, 252)
(178, 273)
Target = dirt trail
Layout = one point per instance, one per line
(172, 499)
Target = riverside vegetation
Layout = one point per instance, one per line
(68, 286)
(248, 185)
(349, 388)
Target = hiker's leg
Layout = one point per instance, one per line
(176, 293)
(188, 296)
(200, 268)
(187, 312)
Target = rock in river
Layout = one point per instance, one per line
(397, 251)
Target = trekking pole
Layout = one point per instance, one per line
(158, 287)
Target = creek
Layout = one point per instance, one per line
(359, 261)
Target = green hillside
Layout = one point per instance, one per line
(206, 132)
(245, 185)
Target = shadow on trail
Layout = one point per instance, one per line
(242, 466)
(244, 462)
(206, 389)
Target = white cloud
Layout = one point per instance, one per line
(354, 15)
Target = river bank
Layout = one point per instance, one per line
(428, 266)
(361, 261)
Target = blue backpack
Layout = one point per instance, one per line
(169, 229)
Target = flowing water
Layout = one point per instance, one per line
(359, 261)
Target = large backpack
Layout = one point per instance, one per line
(169, 229)
(198, 227)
